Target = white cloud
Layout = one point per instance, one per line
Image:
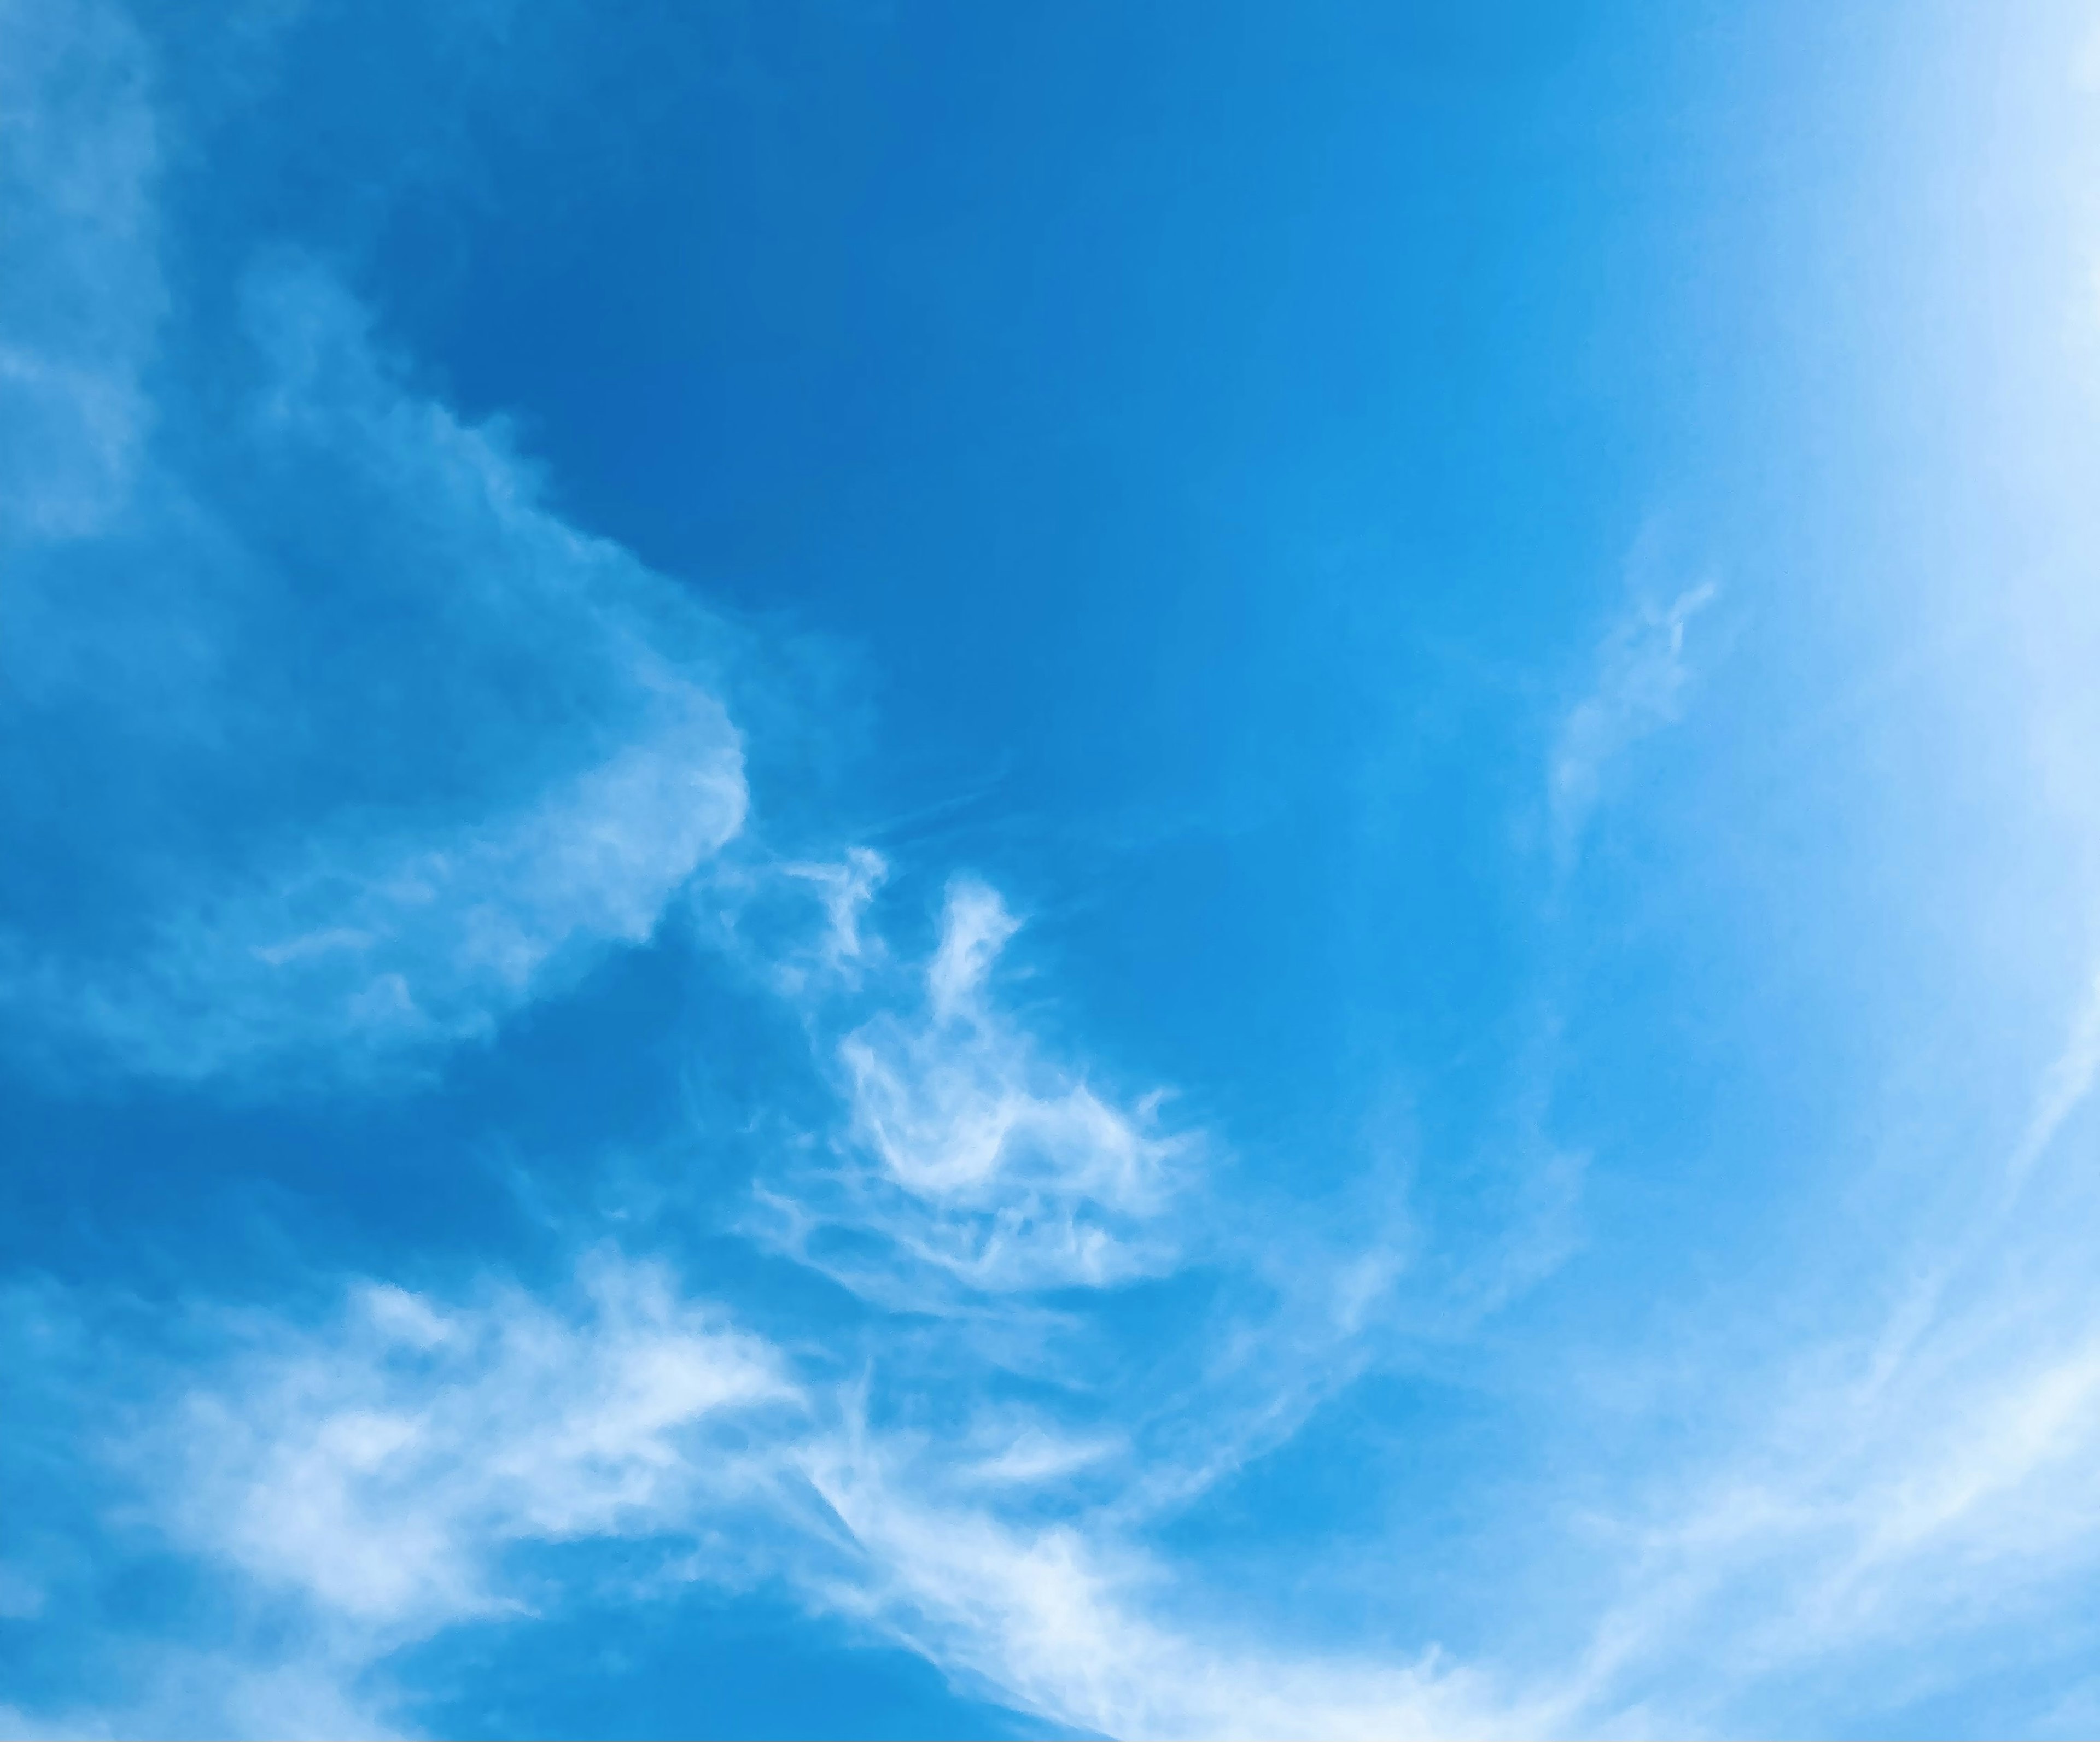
(975, 928)
(1016, 1449)
(2064, 1087)
(1876, 1521)
(844, 888)
(975, 1159)
(1931, 1480)
(344, 743)
(383, 1465)
(1070, 1626)
(365, 1481)
(380, 1467)
(1641, 679)
(371, 944)
(217, 1693)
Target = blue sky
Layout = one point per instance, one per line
(912, 869)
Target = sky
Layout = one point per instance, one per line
(883, 867)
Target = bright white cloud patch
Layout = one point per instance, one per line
(977, 1159)
(381, 1466)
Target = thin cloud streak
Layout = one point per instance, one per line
(1641, 683)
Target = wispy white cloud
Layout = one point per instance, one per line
(1077, 1627)
(445, 744)
(221, 1693)
(1642, 676)
(2065, 1087)
(1928, 1476)
(362, 1481)
(1875, 1519)
(383, 1465)
(844, 888)
(379, 1467)
(974, 1157)
(369, 944)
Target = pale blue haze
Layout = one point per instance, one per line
(877, 867)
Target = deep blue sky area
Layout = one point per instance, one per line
(881, 869)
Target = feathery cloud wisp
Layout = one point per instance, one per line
(1642, 678)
